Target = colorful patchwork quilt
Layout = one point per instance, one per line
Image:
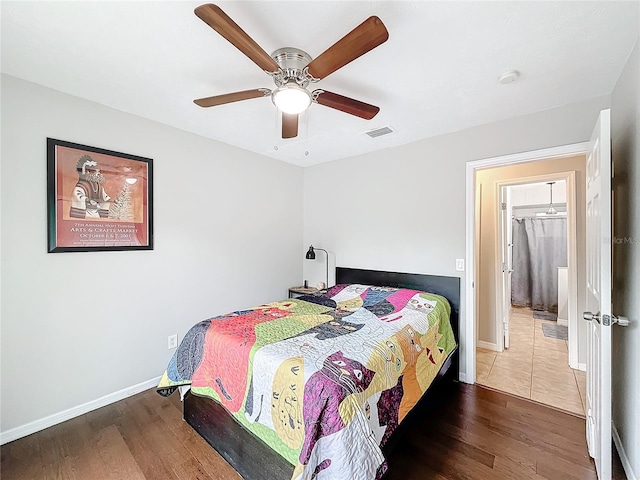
(323, 379)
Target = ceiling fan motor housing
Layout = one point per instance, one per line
(292, 62)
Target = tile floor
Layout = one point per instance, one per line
(534, 366)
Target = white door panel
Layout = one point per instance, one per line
(599, 296)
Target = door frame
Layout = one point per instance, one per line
(503, 260)
(572, 255)
(468, 341)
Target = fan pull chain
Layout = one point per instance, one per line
(276, 125)
(306, 133)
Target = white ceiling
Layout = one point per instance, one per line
(436, 74)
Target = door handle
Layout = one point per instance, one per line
(591, 316)
(622, 321)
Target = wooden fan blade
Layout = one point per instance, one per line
(231, 97)
(289, 125)
(213, 16)
(346, 104)
(366, 36)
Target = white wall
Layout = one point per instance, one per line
(78, 326)
(538, 194)
(625, 126)
(403, 209)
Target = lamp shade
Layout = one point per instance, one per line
(311, 255)
(291, 98)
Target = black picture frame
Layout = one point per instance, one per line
(97, 199)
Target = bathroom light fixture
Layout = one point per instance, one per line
(551, 211)
(291, 98)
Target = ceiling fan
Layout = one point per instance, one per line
(292, 69)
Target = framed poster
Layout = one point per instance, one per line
(97, 199)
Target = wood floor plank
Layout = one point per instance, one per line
(86, 464)
(450, 465)
(53, 450)
(478, 434)
(80, 442)
(208, 459)
(552, 468)
(22, 459)
(117, 461)
(463, 448)
(150, 442)
(546, 413)
(525, 411)
(192, 469)
(507, 467)
(402, 466)
(563, 447)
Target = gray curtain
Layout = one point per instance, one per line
(539, 248)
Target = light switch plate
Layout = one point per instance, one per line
(460, 264)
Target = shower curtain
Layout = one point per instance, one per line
(539, 248)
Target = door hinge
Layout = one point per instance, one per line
(503, 206)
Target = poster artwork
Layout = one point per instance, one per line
(98, 199)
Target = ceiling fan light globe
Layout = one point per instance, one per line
(291, 98)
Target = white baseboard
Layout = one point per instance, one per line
(487, 345)
(582, 366)
(622, 454)
(51, 420)
(563, 321)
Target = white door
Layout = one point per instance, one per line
(599, 296)
(507, 234)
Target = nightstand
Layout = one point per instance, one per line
(295, 292)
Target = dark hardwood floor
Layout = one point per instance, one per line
(478, 434)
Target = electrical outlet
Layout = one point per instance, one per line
(172, 341)
(460, 264)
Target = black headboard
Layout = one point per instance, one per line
(448, 287)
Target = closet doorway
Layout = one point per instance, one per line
(528, 220)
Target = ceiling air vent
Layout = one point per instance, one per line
(378, 132)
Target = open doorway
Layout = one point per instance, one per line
(535, 239)
(481, 293)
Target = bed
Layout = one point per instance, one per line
(320, 386)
